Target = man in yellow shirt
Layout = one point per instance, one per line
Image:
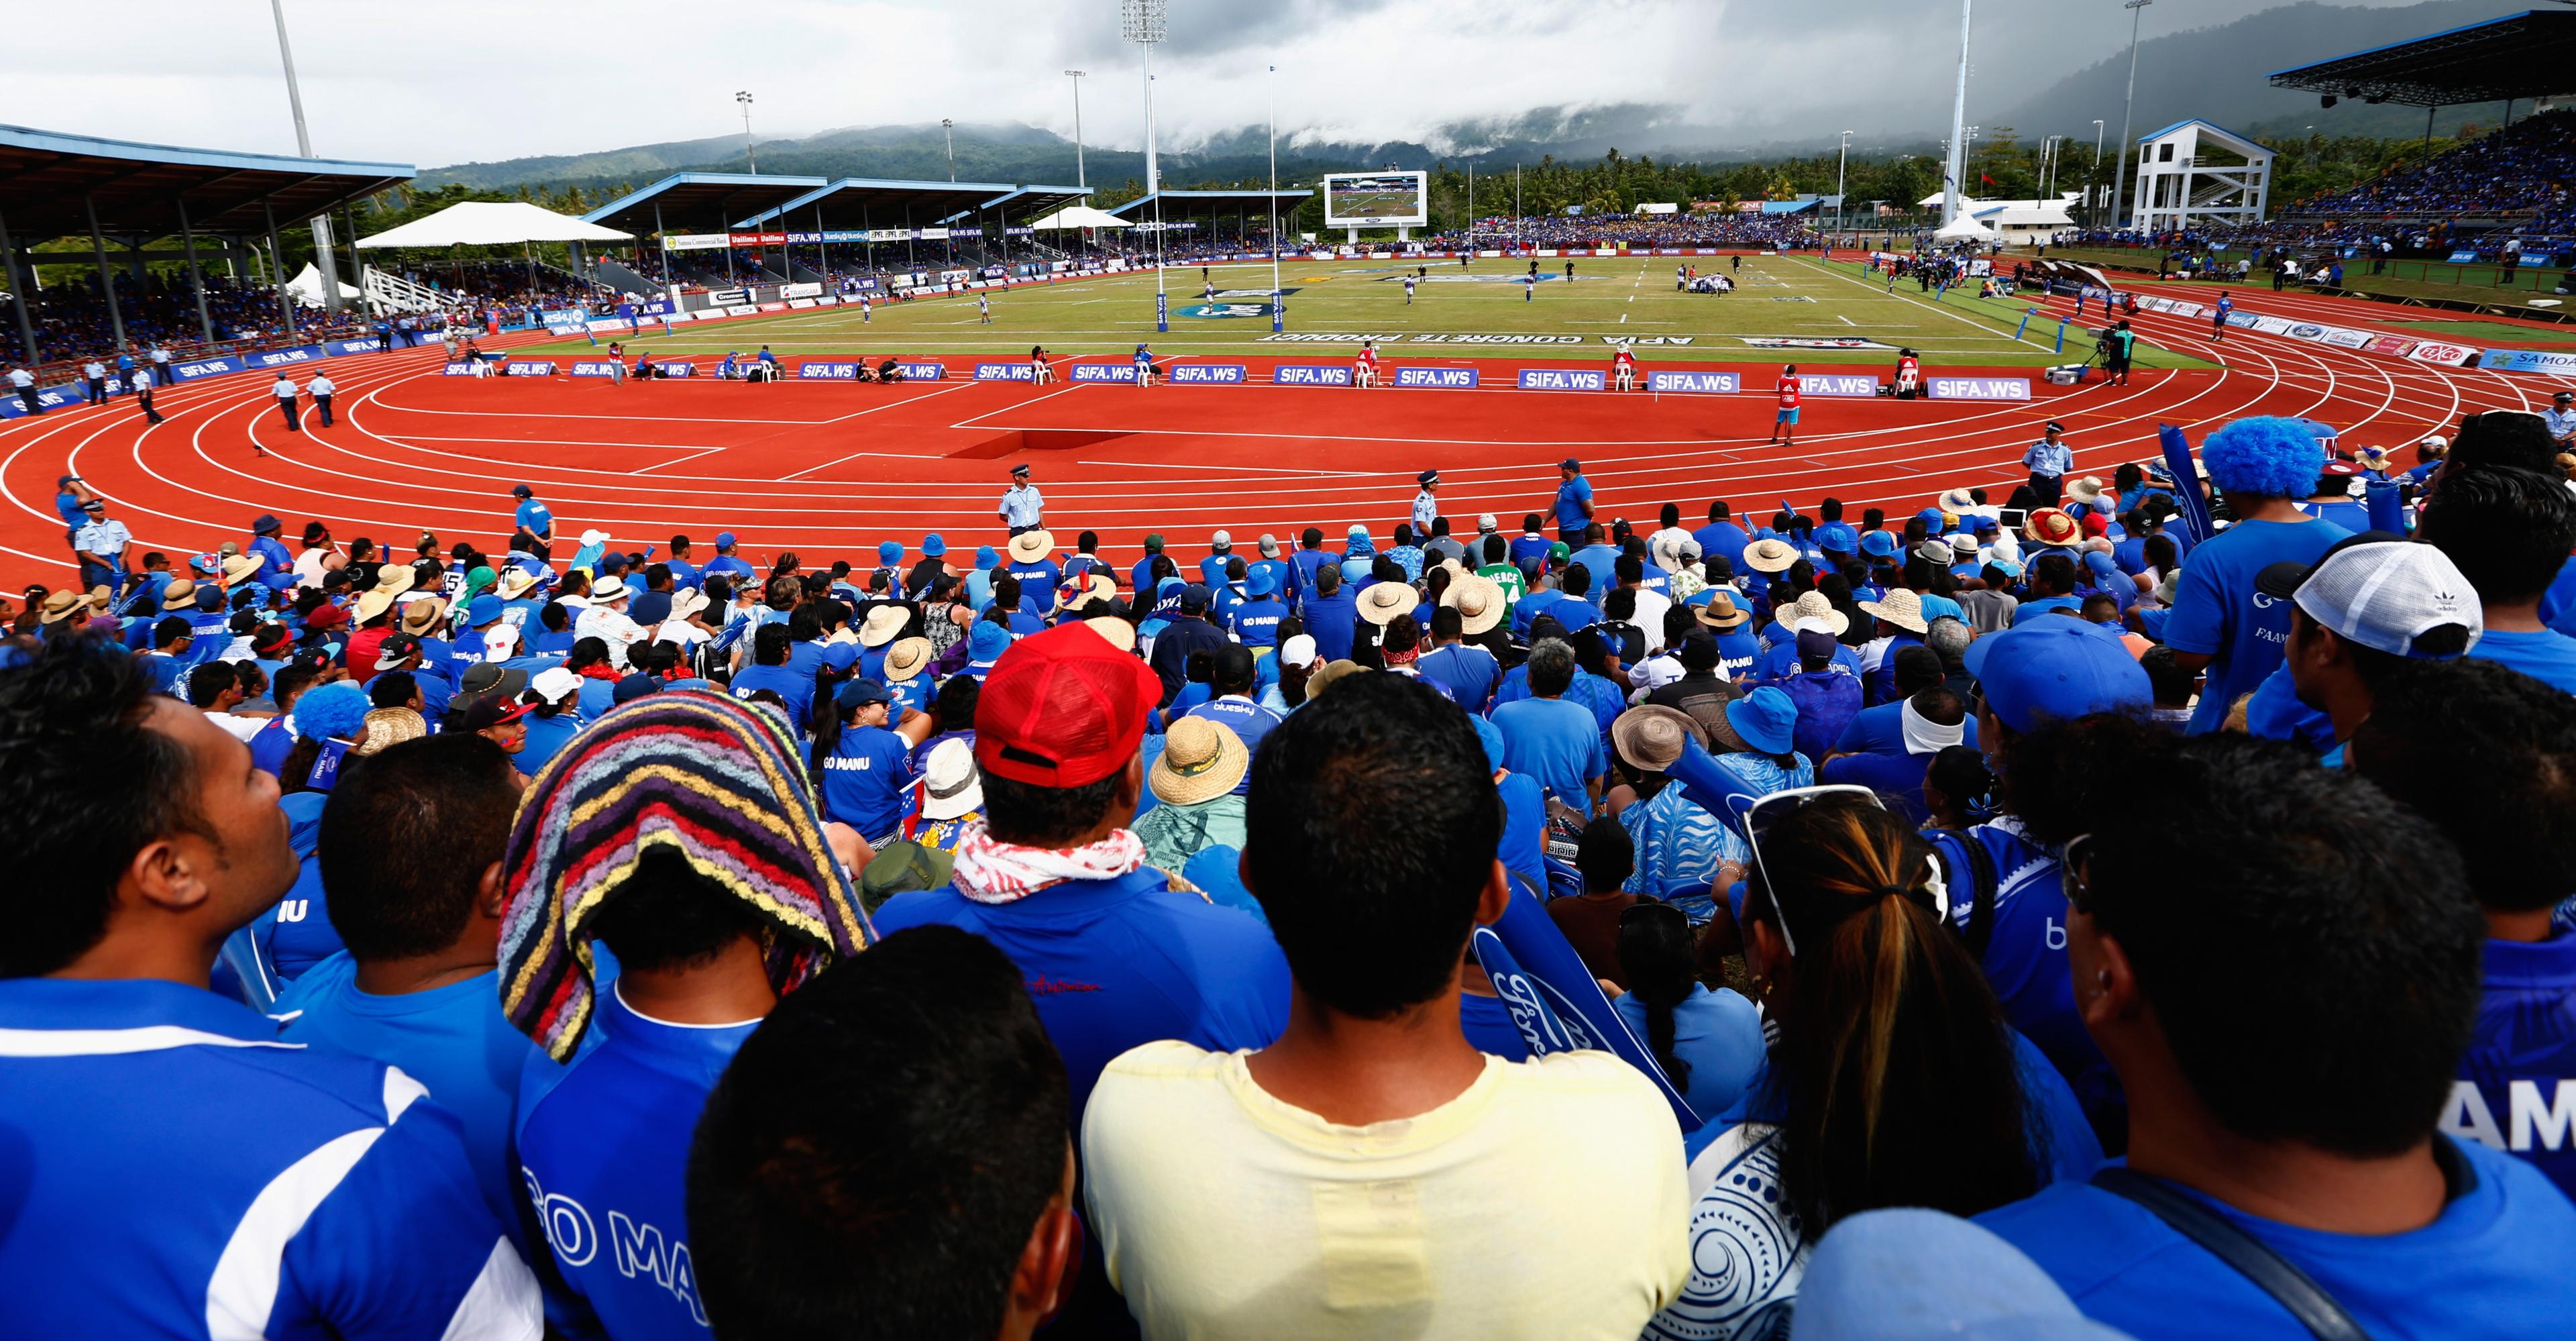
(1371, 1174)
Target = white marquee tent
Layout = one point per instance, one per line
(1079, 216)
(1963, 229)
(483, 223)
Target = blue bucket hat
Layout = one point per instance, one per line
(1837, 537)
(1933, 519)
(889, 553)
(1879, 544)
(1767, 719)
(989, 641)
(986, 559)
(2055, 670)
(482, 610)
(1262, 582)
(932, 547)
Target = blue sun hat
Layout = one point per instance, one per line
(1879, 544)
(988, 642)
(1766, 719)
(932, 547)
(985, 559)
(889, 552)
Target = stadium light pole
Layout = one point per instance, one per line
(1076, 76)
(2120, 175)
(1278, 303)
(328, 268)
(745, 99)
(2093, 180)
(1841, 162)
(948, 132)
(1144, 23)
(1958, 125)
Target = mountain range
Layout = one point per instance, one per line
(2215, 73)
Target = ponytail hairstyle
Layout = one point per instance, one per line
(1894, 1066)
(1656, 956)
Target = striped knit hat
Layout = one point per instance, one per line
(711, 779)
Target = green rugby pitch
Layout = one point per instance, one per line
(1475, 312)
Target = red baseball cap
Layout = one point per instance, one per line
(326, 617)
(2096, 524)
(1063, 708)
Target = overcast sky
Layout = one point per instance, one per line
(459, 80)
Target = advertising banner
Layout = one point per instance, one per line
(1005, 372)
(669, 369)
(529, 368)
(2395, 346)
(799, 290)
(611, 326)
(1311, 374)
(813, 371)
(272, 358)
(1437, 379)
(1979, 388)
(564, 319)
(758, 239)
(921, 370)
(1694, 383)
(367, 346)
(189, 372)
(1183, 374)
(1837, 384)
(460, 369)
(1563, 379)
(1101, 372)
(696, 241)
(2555, 362)
(594, 368)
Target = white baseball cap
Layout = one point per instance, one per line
(1221, 539)
(554, 684)
(2382, 592)
(1298, 651)
(500, 641)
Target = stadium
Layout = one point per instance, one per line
(1211, 754)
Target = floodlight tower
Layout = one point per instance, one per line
(2120, 175)
(1079, 179)
(327, 268)
(1956, 162)
(744, 98)
(1144, 22)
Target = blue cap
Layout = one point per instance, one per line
(522, 491)
(2008, 567)
(1767, 719)
(635, 686)
(1879, 544)
(2055, 670)
(889, 552)
(724, 540)
(482, 610)
(932, 547)
(1911, 1275)
(986, 558)
(858, 692)
(1932, 518)
(1491, 737)
(210, 598)
(2100, 563)
(989, 641)
(1262, 581)
(1981, 524)
(650, 608)
(1839, 538)
(1194, 597)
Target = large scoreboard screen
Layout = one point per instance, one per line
(1375, 199)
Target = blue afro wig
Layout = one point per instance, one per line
(336, 709)
(2269, 456)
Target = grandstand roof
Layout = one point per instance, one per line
(926, 202)
(699, 200)
(1207, 202)
(48, 180)
(2522, 55)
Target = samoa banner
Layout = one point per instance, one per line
(813, 371)
(1695, 383)
(1437, 379)
(1554, 1000)
(2556, 363)
(1205, 374)
(1979, 388)
(1563, 379)
(1311, 374)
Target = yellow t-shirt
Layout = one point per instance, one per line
(1549, 1200)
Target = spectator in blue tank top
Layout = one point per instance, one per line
(2488, 754)
(2288, 1038)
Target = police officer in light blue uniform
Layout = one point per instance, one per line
(2049, 459)
(1023, 507)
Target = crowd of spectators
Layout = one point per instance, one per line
(72, 323)
(2145, 919)
(1704, 229)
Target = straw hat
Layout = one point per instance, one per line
(1201, 761)
(1117, 632)
(1957, 501)
(1095, 586)
(389, 726)
(238, 567)
(62, 605)
(374, 603)
(393, 579)
(1770, 555)
(2086, 489)
(882, 624)
(2048, 526)
(1899, 607)
(1721, 612)
(1031, 546)
(1650, 736)
(513, 583)
(905, 659)
(179, 595)
(951, 786)
(1478, 601)
(1325, 676)
(422, 613)
(1813, 605)
(1383, 601)
(685, 602)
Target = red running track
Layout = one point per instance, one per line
(828, 469)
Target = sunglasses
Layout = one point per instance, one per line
(1756, 815)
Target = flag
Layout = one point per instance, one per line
(1984, 180)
